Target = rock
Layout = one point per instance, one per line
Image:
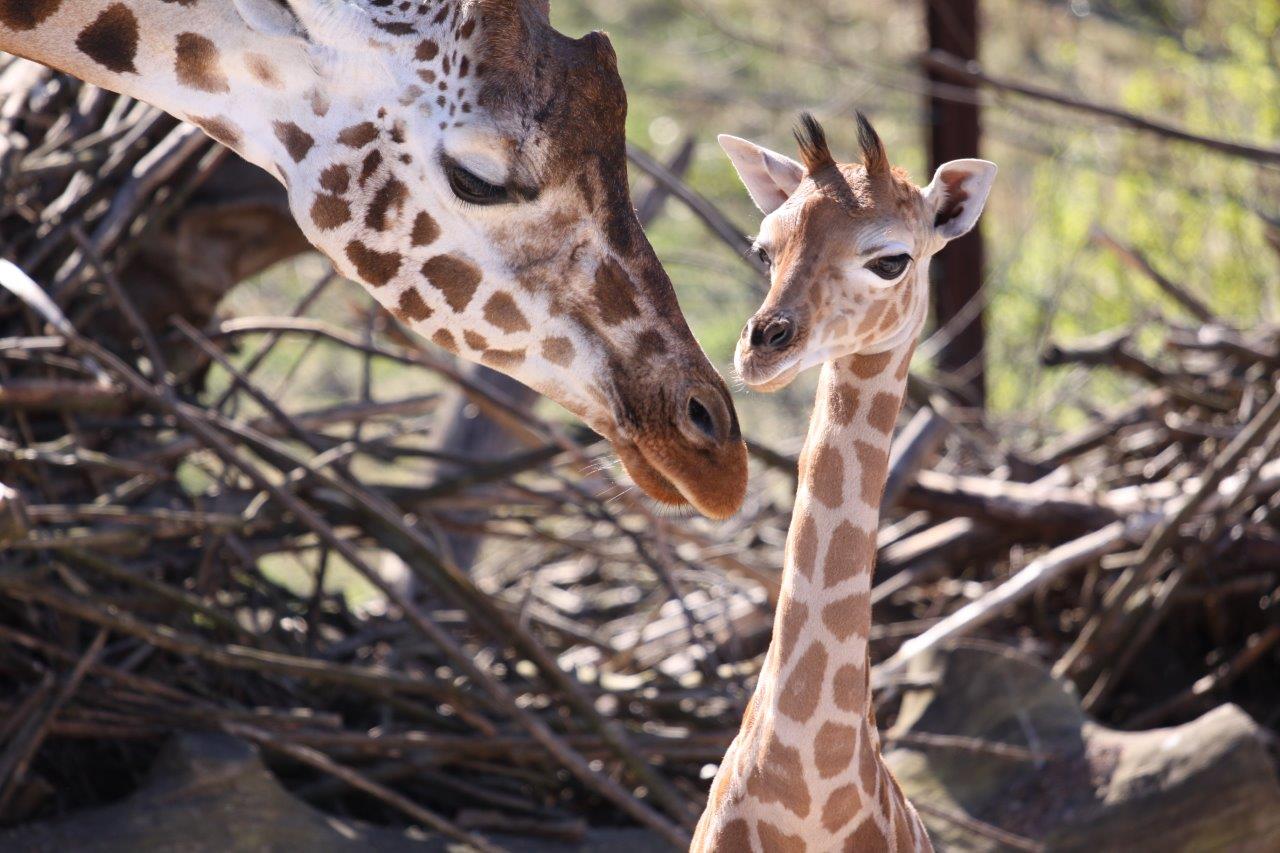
(210, 793)
(1209, 784)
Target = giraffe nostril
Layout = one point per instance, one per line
(780, 333)
(701, 418)
(707, 416)
(776, 333)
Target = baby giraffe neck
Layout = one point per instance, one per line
(805, 772)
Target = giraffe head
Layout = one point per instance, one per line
(467, 163)
(848, 246)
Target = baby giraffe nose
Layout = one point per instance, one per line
(771, 333)
(708, 416)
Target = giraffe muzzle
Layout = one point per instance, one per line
(682, 444)
(769, 351)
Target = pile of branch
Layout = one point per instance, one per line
(567, 678)
(1141, 554)
(596, 658)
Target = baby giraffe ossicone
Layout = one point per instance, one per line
(848, 247)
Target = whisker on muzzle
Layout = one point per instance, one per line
(622, 493)
(604, 463)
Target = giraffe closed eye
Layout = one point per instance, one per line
(470, 187)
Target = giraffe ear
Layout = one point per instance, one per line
(957, 195)
(271, 18)
(770, 177)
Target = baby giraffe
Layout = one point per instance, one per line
(849, 247)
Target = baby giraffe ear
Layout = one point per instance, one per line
(770, 177)
(957, 195)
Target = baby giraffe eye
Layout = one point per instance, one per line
(472, 188)
(890, 266)
(763, 254)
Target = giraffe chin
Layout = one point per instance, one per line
(715, 487)
(769, 380)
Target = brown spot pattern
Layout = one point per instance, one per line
(199, 65)
(390, 196)
(329, 211)
(26, 14)
(613, 293)
(890, 319)
(475, 340)
(904, 366)
(558, 350)
(867, 366)
(263, 70)
(453, 277)
(425, 230)
(874, 465)
(866, 837)
(412, 307)
(848, 687)
(650, 343)
(358, 135)
(833, 748)
(850, 551)
(840, 808)
(778, 777)
(871, 318)
(849, 616)
(377, 268)
(868, 763)
(886, 803)
(804, 550)
(444, 338)
(112, 39)
(903, 825)
(502, 311)
(774, 840)
(294, 139)
(336, 178)
(826, 475)
(319, 102)
(732, 835)
(803, 689)
(370, 165)
(842, 403)
(884, 411)
(426, 51)
(792, 615)
(502, 359)
(220, 128)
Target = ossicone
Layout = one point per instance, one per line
(874, 158)
(812, 139)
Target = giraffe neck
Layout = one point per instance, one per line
(805, 768)
(201, 62)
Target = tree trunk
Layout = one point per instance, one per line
(955, 132)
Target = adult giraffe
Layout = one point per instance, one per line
(466, 163)
(849, 246)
